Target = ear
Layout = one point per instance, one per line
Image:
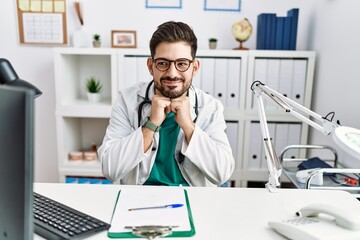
(149, 63)
(196, 67)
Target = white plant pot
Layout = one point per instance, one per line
(93, 97)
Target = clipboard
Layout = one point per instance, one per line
(151, 196)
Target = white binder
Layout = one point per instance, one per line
(256, 147)
(143, 74)
(129, 73)
(208, 75)
(233, 87)
(299, 78)
(260, 74)
(272, 79)
(281, 137)
(286, 73)
(294, 134)
(221, 79)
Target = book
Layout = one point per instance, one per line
(294, 14)
(261, 31)
(270, 30)
(287, 32)
(146, 201)
(279, 33)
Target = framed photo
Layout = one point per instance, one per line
(163, 4)
(222, 5)
(123, 39)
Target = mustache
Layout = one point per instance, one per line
(172, 79)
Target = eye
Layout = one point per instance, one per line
(182, 63)
(162, 63)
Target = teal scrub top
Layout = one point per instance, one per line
(165, 170)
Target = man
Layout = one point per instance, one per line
(179, 137)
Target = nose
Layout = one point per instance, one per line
(172, 71)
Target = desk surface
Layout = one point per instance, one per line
(218, 213)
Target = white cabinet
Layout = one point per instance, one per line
(226, 74)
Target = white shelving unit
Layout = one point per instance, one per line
(226, 74)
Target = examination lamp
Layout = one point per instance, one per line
(346, 138)
(9, 77)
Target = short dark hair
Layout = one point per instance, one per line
(173, 32)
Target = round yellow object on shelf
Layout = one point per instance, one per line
(242, 31)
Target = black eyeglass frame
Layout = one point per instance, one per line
(172, 61)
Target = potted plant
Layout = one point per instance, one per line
(212, 43)
(94, 87)
(96, 40)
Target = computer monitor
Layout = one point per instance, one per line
(16, 162)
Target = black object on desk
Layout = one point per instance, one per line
(54, 220)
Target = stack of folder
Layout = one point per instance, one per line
(277, 33)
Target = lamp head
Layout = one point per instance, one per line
(9, 77)
(348, 139)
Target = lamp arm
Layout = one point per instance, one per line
(324, 125)
(297, 110)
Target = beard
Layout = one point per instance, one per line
(170, 91)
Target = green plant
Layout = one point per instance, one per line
(93, 85)
(212, 40)
(96, 37)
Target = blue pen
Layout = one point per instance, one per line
(176, 205)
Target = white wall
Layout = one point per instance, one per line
(335, 79)
(335, 38)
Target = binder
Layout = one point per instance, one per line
(221, 79)
(208, 74)
(279, 33)
(260, 74)
(294, 14)
(256, 146)
(287, 33)
(286, 77)
(261, 31)
(233, 88)
(151, 196)
(273, 74)
(143, 74)
(130, 72)
(294, 138)
(299, 79)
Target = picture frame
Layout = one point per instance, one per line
(222, 5)
(175, 4)
(123, 39)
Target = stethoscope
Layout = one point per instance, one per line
(148, 101)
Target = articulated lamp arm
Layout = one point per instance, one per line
(324, 125)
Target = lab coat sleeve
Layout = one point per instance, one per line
(121, 153)
(209, 149)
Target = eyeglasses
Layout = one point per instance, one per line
(181, 64)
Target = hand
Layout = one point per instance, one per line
(181, 107)
(159, 108)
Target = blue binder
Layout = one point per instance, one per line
(294, 14)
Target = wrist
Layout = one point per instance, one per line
(150, 125)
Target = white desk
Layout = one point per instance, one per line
(218, 213)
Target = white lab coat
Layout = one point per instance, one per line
(206, 161)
